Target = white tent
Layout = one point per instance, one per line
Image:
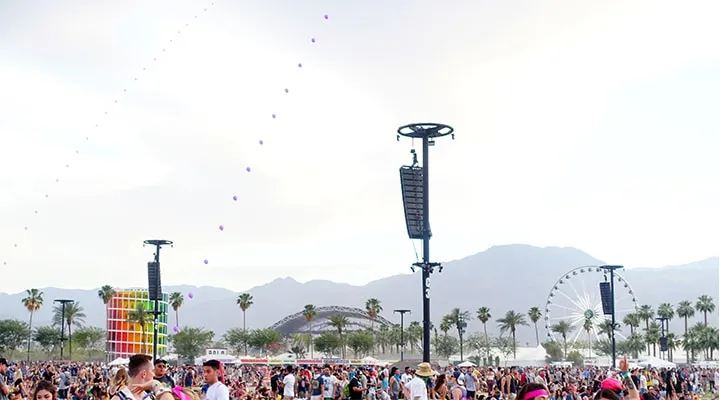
(119, 361)
(655, 362)
(369, 360)
(466, 364)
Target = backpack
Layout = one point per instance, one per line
(346, 391)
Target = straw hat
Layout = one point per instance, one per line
(424, 369)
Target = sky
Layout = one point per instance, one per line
(583, 124)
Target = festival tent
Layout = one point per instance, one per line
(655, 362)
(119, 361)
(369, 360)
(466, 364)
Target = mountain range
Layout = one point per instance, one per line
(509, 277)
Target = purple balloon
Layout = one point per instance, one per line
(312, 40)
(248, 169)
(206, 261)
(326, 16)
(287, 90)
(234, 198)
(222, 228)
(261, 142)
(190, 295)
(176, 329)
(274, 116)
(299, 65)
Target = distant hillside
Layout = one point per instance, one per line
(503, 277)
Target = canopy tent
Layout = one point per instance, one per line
(466, 364)
(654, 362)
(119, 361)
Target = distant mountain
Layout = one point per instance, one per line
(506, 277)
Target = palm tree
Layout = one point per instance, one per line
(74, 316)
(672, 343)
(632, 320)
(32, 303)
(510, 322)
(373, 309)
(106, 293)
(686, 310)
(652, 336)
(666, 313)
(534, 314)
(446, 324)
(646, 312)
(142, 317)
(483, 314)
(705, 304)
(176, 301)
(244, 301)
(562, 328)
(588, 327)
(339, 322)
(310, 312)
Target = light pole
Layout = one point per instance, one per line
(663, 339)
(428, 132)
(63, 302)
(402, 313)
(158, 243)
(612, 269)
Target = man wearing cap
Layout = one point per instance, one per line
(416, 389)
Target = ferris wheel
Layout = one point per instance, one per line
(575, 299)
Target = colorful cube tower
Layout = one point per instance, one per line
(125, 335)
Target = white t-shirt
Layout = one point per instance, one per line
(329, 382)
(417, 388)
(405, 378)
(217, 391)
(289, 388)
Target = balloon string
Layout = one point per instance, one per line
(97, 125)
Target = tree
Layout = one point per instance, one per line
(588, 328)
(534, 314)
(237, 339)
(48, 337)
(575, 357)
(506, 346)
(373, 307)
(510, 322)
(176, 300)
(446, 345)
(298, 351)
(554, 351)
(339, 322)
(13, 333)
(652, 336)
(685, 310)
(562, 328)
(632, 321)
(265, 339)
(32, 302)
(106, 293)
(310, 312)
(646, 313)
(141, 316)
(479, 343)
(361, 342)
(328, 343)
(190, 343)
(90, 339)
(74, 316)
(705, 304)
(244, 301)
(483, 314)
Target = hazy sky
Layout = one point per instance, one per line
(585, 124)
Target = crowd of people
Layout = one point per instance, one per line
(143, 379)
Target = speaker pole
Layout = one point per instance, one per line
(158, 243)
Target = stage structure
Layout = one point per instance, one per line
(357, 318)
(126, 337)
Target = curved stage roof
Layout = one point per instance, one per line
(294, 323)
